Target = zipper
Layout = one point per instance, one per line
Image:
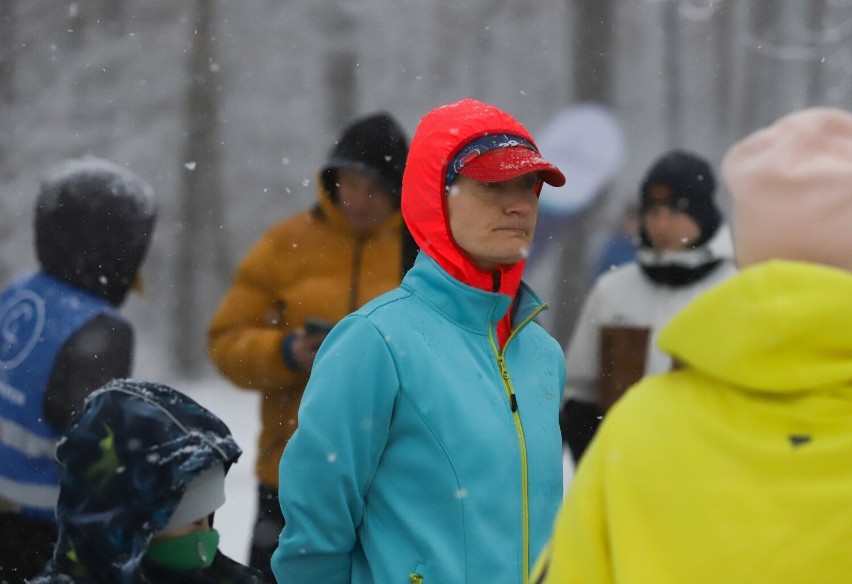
(416, 577)
(519, 430)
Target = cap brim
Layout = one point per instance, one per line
(504, 164)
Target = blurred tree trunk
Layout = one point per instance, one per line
(816, 20)
(464, 28)
(337, 23)
(724, 22)
(7, 89)
(340, 67)
(758, 103)
(592, 23)
(113, 14)
(592, 26)
(442, 72)
(672, 76)
(798, 52)
(76, 26)
(201, 239)
(7, 127)
(7, 50)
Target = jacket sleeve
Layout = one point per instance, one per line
(328, 465)
(579, 549)
(246, 332)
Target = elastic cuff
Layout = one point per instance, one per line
(287, 352)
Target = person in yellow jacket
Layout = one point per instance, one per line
(303, 275)
(737, 466)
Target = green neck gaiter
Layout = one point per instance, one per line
(188, 552)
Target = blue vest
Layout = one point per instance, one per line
(38, 314)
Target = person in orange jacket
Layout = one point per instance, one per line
(304, 275)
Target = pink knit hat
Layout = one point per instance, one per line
(791, 184)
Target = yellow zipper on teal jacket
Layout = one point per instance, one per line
(519, 428)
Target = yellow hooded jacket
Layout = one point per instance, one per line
(737, 467)
(310, 265)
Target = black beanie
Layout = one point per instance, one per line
(375, 146)
(685, 182)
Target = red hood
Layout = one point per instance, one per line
(439, 136)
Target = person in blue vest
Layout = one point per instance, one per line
(62, 337)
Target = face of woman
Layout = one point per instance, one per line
(494, 222)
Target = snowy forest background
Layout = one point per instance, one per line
(229, 108)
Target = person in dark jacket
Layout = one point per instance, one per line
(684, 248)
(142, 471)
(62, 337)
(305, 274)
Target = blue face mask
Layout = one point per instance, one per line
(193, 551)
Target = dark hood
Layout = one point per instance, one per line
(375, 146)
(93, 224)
(125, 464)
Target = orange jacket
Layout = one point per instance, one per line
(310, 265)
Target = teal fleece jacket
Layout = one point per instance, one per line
(409, 464)
(428, 447)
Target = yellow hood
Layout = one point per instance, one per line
(764, 329)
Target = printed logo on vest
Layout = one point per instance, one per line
(22, 320)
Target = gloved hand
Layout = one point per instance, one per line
(299, 348)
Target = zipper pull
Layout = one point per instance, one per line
(514, 402)
(415, 578)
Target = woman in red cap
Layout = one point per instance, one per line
(428, 447)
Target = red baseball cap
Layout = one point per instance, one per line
(497, 158)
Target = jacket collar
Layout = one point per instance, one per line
(471, 308)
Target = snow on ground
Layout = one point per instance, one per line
(240, 411)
